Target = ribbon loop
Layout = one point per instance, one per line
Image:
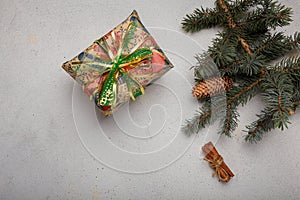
(109, 89)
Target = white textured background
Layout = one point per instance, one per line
(41, 156)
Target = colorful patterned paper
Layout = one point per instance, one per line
(119, 65)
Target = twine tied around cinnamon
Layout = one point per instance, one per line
(217, 163)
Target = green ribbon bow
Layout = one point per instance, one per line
(109, 88)
(116, 68)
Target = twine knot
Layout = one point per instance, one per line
(216, 163)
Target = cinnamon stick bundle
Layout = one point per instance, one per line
(216, 162)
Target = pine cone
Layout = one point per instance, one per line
(212, 86)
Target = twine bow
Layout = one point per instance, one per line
(216, 163)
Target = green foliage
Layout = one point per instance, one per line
(202, 18)
(205, 68)
(229, 121)
(245, 51)
(278, 92)
(270, 14)
(259, 127)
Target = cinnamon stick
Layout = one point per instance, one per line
(216, 162)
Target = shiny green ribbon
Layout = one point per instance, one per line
(109, 88)
(117, 67)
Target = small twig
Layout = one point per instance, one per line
(245, 45)
(259, 125)
(230, 20)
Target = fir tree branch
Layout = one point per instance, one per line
(198, 122)
(232, 25)
(231, 66)
(270, 43)
(201, 19)
(277, 46)
(217, 110)
(229, 123)
(248, 65)
(288, 70)
(223, 6)
(264, 124)
(223, 48)
(273, 14)
(245, 45)
(243, 52)
(289, 65)
(205, 67)
(278, 94)
(273, 47)
(294, 41)
(259, 127)
(247, 87)
(243, 5)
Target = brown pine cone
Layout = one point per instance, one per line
(212, 86)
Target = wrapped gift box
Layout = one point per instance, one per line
(119, 65)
